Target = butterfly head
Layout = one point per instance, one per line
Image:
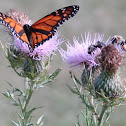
(26, 27)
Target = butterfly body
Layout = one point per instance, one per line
(27, 30)
(41, 30)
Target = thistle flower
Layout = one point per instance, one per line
(20, 17)
(77, 54)
(109, 80)
(42, 51)
(24, 61)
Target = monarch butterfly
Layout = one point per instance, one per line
(41, 30)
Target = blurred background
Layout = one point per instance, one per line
(61, 107)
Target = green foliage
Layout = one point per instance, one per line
(36, 76)
(98, 109)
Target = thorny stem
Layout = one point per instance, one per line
(100, 120)
(27, 97)
(79, 93)
(93, 115)
(87, 121)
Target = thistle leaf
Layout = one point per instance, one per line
(54, 75)
(72, 90)
(16, 124)
(40, 120)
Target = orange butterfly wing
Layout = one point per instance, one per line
(45, 28)
(14, 26)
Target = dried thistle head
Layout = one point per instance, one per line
(109, 80)
(110, 59)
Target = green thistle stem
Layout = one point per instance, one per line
(27, 97)
(93, 116)
(100, 120)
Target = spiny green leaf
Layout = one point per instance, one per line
(21, 116)
(16, 124)
(48, 61)
(72, 90)
(6, 95)
(30, 111)
(20, 91)
(46, 79)
(53, 76)
(15, 104)
(20, 103)
(10, 95)
(40, 120)
(19, 123)
(77, 80)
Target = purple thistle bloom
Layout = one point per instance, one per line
(47, 48)
(20, 17)
(22, 46)
(77, 54)
(43, 50)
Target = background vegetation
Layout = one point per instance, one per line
(60, 106)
